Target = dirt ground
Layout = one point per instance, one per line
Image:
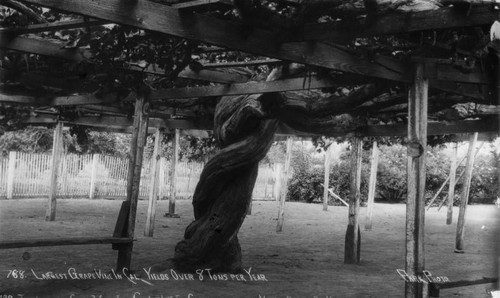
(305, 260)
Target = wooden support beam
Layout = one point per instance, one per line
(55, 26)
(326, 183)
(137, 144)
(451, 188)
(246, 88)
(57, 151)
(277, 181)
(463, 172)
(284, 185)
(469, 166)
(372, 185)
(173, 175)
(352, 238)
(415, 202)
(153, 186)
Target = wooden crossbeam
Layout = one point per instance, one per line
(241, 63)
(246, 88)
(197, 4)
(45, 27)
(400, 22)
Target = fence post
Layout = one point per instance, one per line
(10, 174)
(95, 162)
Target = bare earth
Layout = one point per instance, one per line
(305, 260)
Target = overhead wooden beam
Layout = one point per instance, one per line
(152, 16)
(401, 22)
(246, 88)
(45, 27)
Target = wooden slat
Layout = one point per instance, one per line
(62, 241)
(245, 88)
(55, 26)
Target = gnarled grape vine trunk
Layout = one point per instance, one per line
(224, 191)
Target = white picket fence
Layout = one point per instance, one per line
(26, 175)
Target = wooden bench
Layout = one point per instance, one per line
(434, 288)
(64, 241)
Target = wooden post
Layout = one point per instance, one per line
(415, 205)
(11, 174)
(57, 149)
(161, 178)
(459, 243)
(352, 237)
(153, 186)
(277, 181)
(326, 183)
(451, 189)
(284, 185)
(372, 185)
(173, 176)
(93, 175)
(139, 133)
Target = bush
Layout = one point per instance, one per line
(306, 182)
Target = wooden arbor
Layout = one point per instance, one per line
(440, 77)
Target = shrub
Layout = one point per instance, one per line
(306, 181)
